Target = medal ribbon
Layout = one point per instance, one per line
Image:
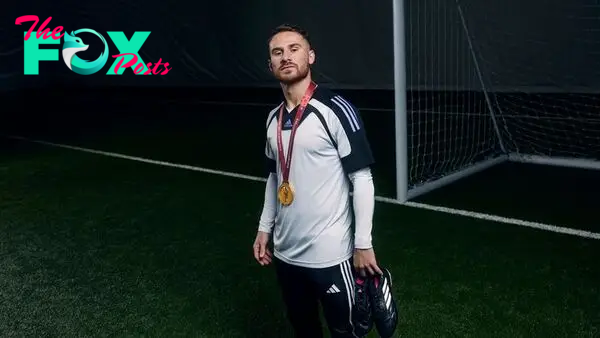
(285, 164)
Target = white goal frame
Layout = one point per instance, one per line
(405, 192)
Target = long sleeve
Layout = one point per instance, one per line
(364, 206)
(355, 153)
(269, 212)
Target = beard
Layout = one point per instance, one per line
(292, 75)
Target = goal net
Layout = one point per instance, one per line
(485, 84)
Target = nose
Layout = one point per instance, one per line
(286, 55)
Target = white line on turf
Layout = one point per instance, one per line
(471, 214)
(141, 159)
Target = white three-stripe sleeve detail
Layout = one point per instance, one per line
(351, 111)
(346, 112)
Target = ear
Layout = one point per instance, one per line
(311, 57)
(270, 64)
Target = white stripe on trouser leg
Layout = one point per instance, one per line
(349, 282)
(347, 269)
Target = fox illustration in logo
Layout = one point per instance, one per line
(73, 45)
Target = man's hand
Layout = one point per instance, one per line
(365, 262)
(262, 254)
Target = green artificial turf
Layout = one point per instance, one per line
(97, 246)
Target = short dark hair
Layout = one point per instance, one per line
(290, 28)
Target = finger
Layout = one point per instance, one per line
(370, 270)
(262, 250)
(375, 268)
(255, 249)
(360, 268)
(361, 272)
(265, 261)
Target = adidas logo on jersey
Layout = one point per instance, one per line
(333, 289)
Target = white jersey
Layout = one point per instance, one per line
(330, 143)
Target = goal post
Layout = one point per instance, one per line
(473, 88)
(411, 181)
(400, 105)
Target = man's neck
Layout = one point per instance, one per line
(293, 93)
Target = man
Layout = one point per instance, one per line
(307, 205)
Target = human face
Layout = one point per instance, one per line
(290, 57)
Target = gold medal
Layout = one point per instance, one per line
(285, 194)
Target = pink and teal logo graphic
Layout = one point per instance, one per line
(74, 44)
(128, 56)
